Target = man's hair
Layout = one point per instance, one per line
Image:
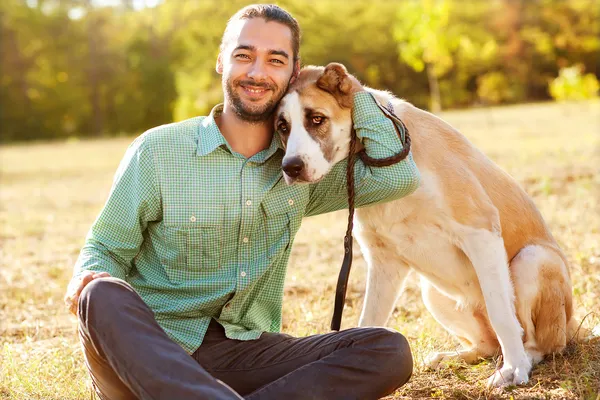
(269, 12)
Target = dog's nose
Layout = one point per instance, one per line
(293, 166)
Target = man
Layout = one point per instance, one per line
(178, 288)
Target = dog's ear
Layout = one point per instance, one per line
(335, 80)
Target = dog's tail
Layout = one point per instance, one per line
(554, 322)
(553, 316)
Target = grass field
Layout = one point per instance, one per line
(51, 193)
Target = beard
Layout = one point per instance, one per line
(253, 113)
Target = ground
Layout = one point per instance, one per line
(51, 192)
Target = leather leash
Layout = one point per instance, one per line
(402, 131)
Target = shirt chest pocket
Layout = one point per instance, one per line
(193, 244)
(277, 234)
(280, 220)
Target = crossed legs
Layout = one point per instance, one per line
(129, 356)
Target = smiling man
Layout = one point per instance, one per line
(178, 288)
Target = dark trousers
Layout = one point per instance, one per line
(129, 356)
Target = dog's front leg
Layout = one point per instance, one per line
(486, 251)
(386, 276)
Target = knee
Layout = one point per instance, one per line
(397, 364)
(100, 297)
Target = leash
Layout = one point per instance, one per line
(402, 131)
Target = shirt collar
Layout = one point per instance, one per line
(211, 137)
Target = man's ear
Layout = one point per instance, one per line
(296, 71)
(219, 66)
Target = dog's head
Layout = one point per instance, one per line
(314, 121)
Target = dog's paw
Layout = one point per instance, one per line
(441, 359)
(509, 375)
(434, 360)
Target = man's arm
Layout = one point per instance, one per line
(134, 200)
(372, 184)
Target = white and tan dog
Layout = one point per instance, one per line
(491, 272)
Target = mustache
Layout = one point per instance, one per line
(256, 84)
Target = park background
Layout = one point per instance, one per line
(80, 79)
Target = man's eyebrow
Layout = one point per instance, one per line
(280, 53)
(248, 47)
(245, 47)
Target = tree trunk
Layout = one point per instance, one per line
(93, 71)
(435, 100)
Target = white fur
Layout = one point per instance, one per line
(486, 252)
(301, 144)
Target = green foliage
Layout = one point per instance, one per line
(571, 84)
(497, 88)
(73, 68)
(423, 35)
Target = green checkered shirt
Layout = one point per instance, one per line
(201, 232)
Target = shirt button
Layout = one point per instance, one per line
(243, 273)
(248, 203)
(291, 202)
(245, 240)
(193, 219)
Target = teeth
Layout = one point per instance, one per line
(255, 90)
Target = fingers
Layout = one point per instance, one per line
(76, 287)
(85, 279)
(74, 292)
(73, 302)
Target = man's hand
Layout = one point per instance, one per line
(76, 286)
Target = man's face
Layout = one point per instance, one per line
(257, 65)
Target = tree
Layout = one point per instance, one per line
(426, 41)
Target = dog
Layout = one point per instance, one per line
(490, 271)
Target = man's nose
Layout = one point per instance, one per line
(293, 166)
(257, 71)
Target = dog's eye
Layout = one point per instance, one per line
(318, 120)
(282, 127)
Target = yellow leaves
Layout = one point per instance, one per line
(571, 84)
(33, 94)
(540, 39)
(489, 49)
(62, 77)
(373, 74)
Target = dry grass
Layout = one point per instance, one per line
(51, 193)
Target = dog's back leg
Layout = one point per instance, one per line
(543, 300)
(385, 279)
(469, 324)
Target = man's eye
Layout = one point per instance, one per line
(318, 120)
(282, 127)
(243, 56)
(276, 61)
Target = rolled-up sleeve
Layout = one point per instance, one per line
(372, 184)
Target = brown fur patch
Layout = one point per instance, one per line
(332, 79)
(317, 102)
(307, 76)
(335, 80)
(553, 307)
